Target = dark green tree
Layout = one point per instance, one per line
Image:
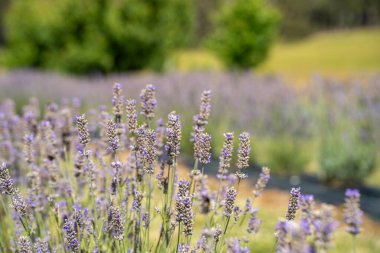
(84, 36)
(244, 31)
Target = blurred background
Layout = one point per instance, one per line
(302, 76)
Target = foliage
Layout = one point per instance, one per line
(346, 158)
(285, 155)
(302, 18)
(95, 36)
(243, 32)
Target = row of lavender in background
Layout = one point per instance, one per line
(266, 106)
(100, 188)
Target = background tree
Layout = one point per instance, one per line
(243, 32)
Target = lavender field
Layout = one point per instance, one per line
(99, 164)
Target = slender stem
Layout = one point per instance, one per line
(159, 239)
(4, 207)
(353, 243)
(149, 197)
(225, 228)
(274, 246)
(179, 235)
(1, 247)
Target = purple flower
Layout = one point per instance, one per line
(290, 237)
(131, 115)
(226, 155)
(146, 219)
(146, 148)
(113, 139)
(217, 233)
(307, 205)
(6, 182)
(229, 202)
(71, 235)
(243, 154)
(253, 223)
(262, 182)
(148, 101)
(173, 134)
(184, 207)
(18, 203)
(324, 226)
(234, 246)
(201, 119)
(24, 245)
(28, 148)
(41, 246)
(352, 213)
(136, 204)
(117, 102)
(184, 248)
(115, 223)
(293, 205)
(202, 147)
(83, 132)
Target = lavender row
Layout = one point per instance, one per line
(112, 184)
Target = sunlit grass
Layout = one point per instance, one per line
(339, 54)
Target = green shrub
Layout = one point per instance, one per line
(283, 154)
(346, 158)
(95, 35)
(243, 32)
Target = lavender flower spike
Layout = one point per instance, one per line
(261, 182)
(202, 147)
(28, 148)
(352, 213)
(234, 246)
(290, 238)
(24, 245)
(113, 139)
(254, 223)
(184, 207)
(226, 156)
(293, 206)
(230, 202)
(83, 132)
(6, 182)
(71, 235)
(115, 223)
(205, 107)
(117, 102)
(243, 154)
(307, 205)
(131, 115)
(173, 134)
(324, 227)
(148, 101)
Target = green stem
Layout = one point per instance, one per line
(4, 206)
(179, 235)
(225, 228)
(149, 197)
(159, 239)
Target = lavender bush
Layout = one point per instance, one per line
(97, 182)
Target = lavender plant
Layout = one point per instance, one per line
(98, 188)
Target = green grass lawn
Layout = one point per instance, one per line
(338, 54)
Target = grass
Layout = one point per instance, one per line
(339, 54)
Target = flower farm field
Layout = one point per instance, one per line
(113, 179)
